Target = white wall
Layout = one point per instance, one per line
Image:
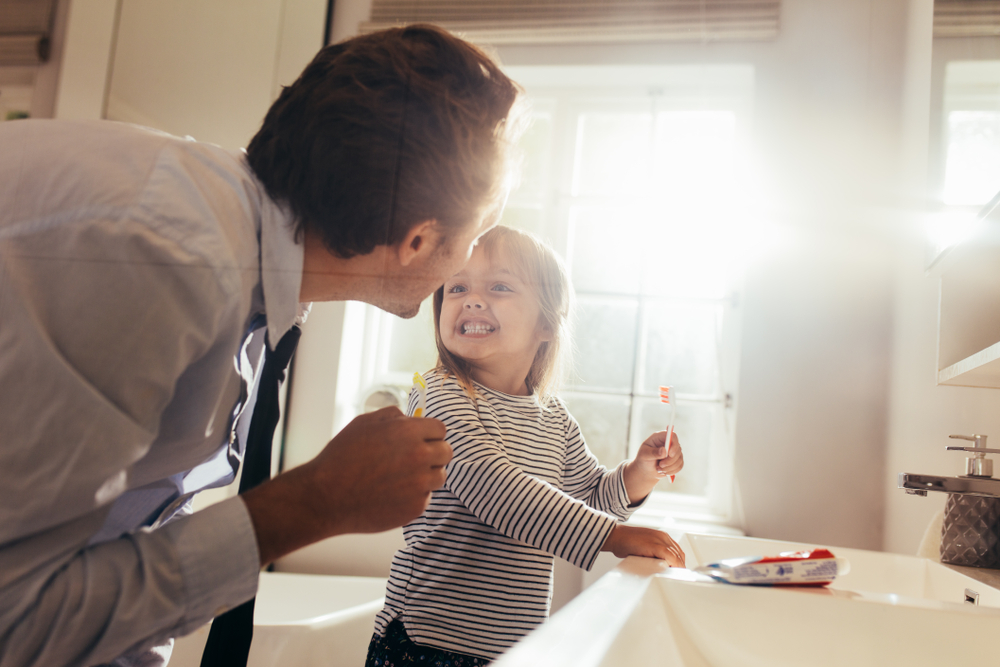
(209, 69)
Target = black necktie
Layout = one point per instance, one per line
(229, 639)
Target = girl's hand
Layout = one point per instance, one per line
(651, 464)
(635, 541)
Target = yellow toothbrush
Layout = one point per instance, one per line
(421, 387)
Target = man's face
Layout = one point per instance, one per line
(406, 287)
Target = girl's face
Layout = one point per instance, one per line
(491, 318)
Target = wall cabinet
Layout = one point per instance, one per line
(969, 306)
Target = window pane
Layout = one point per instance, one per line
(604, 343)
(695, 153)
(604, 423)
(694, 426)
(535, 148)
(685, 256)
(412, 349)
(613, 154)
(972, 171)
(603, 262)
(681, 347)
(618, 250)
(526, 218)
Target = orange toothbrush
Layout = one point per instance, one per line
(667, 396)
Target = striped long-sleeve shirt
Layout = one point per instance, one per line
(476, 573)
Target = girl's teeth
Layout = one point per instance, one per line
(476, 329)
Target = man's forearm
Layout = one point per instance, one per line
(287, 515)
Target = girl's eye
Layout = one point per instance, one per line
(456, 289)
(502, 288)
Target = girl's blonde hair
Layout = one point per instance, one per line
(538, 266)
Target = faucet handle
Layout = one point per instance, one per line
(979, 440)
(977, 465)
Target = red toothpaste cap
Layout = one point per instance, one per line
(788, 556)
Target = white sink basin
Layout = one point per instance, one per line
(305, 620)
(889, 610)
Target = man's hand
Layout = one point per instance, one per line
(651, 464)
(635, 541)
(376, 474)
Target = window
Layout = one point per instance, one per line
(634, 175)
(968, 162)
(15, 100)
(972, 132)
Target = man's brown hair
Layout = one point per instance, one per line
(386, 130)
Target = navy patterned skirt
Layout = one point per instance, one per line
(396, 650)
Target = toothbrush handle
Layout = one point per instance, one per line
(670, 438)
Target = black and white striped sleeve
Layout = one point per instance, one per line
(585, 478)
(503, 496)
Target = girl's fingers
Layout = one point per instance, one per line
(652, 453)
(673, 462)
(658, 439)
(674, 555)
(675, 447)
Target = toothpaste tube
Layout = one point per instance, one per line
(816, 567)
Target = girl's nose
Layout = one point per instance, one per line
(472, 301)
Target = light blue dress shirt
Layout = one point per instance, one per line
(131, 264)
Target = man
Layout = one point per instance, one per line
(134, 265)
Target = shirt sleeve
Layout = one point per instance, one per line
(131, 593)
(586, 479)
(503, 496)
(100, 324)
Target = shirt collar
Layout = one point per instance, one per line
(281, 260)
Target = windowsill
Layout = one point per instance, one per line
(661, 513)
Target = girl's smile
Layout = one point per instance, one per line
(476, 328)
(490, 318)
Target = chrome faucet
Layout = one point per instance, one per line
(977, 481)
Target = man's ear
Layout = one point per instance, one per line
(421, 240)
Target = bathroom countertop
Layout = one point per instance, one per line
(988, 576)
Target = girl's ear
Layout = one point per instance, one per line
(544, 331)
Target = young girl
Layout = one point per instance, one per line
(476, 573)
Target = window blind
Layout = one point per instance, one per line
(555, 21)
(24, 31)
(966, 18)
